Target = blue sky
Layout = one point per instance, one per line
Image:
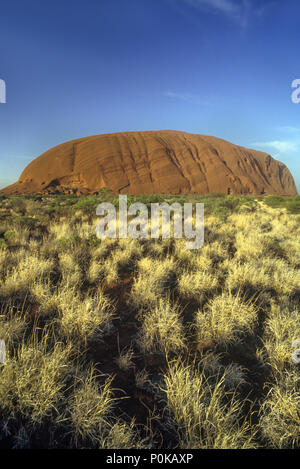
(216, 67)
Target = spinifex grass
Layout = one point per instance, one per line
(227, 312)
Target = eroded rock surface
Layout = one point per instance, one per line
(154, 162)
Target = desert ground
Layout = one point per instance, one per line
(140, 343)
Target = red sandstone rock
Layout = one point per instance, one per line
(154, 162)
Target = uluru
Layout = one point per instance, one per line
(164, 161)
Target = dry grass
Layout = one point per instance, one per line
(162, 329)
(124, 436)
(281, 329)
(152, 282)
(244, 275)
(20, 278)
(125, 359)
(224, 319)
(83, 319)
(34, 377)
(141, 378)
(197, 285)
(227, 313)
(280, 413)
(13, 322)
(204, 415)
(71, 274)
(90, 408)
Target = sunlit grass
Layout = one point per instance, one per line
(203, 414)
(79, 314)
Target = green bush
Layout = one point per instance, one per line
(9, 235)
(146, 199)
(274, 201)
(87, 204)
(293, 205)
(94, 241)
(106, 194)
(18, 204)
(67, 242)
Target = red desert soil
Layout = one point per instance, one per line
(148, 162)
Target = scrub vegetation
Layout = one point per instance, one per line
(140, 343)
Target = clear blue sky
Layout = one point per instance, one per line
(218, 67)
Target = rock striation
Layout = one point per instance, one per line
(147, 162)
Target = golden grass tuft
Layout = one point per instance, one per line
(124, 436)
(281, 329)
(280, 415)
(13, 322)
(91, 408)
(224, 319)
(83, 319)
(196, 285)
(203, 413)
(153, 280)
(34, 377)
(125, 359)
(20, 278)
(162, 329)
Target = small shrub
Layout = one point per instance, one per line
(87, 204)
(274, 201)
(9, 235)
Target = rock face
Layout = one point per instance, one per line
(165, 161)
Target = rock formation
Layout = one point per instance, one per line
(146, 162)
